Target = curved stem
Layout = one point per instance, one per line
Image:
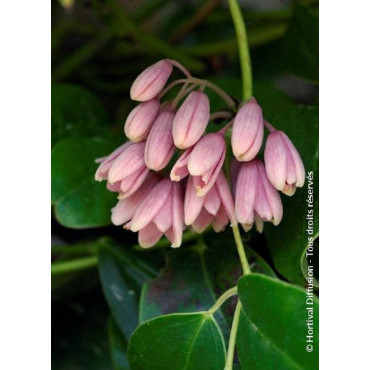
(229, 293)
(269, 126)
(178, 65)
(227, 99)
(241, 251)
(232, 340)
(220, 114)
(241, 35)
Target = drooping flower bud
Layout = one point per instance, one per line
(247, 131)
(284, 165)
(141, 119)
(128, 171)
(159, 147)
(151, 81)
(106, 162)
(216, 208)
(203, 161)
(191, 120)
(125, 208)
(256, 200)
(160, 212)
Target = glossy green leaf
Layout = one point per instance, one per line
(80, 201)
(120, 279)
(178, 342)
(118, 346)
(273, 325)
(75, 112)
(302, 44)
(288, 241)
(194, 277)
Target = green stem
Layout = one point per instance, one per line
(229, 293)
(74, 265)
(232, 340)
(241, 251)
(241, 35)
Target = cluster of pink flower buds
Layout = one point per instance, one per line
(155, 200)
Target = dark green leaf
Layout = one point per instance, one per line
(80, 202)
(178, 341)
(122, 276)
(302, 44)
(194, 278)
(118, 346)
(75, 112)
(273, 325)
(120, 298)
(289, 241)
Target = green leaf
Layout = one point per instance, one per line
(288, 241)
(80, 201)
(195, 277)
(75, 112)
(118, 346)
(178, 341)
(119, 296)
(273, 325)
(301, 44)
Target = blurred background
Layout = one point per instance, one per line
(98, 48)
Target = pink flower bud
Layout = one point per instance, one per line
(125, 208)
(141, 119)
(151, 81)
(159, 147)
(180, 169)
(160, 212)
(205, 162)
(151, 205)
(191, 120)
(128, 170)
(106, 162)
(284, 165)
(256, 200)
(247, 131)
(216, 207)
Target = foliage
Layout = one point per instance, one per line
(117, 306)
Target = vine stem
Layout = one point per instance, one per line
(232, 340)
(229, 293)
(73, 265)
(241, 35)
(226, 97)
(239, 246)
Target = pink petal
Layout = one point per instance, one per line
(193, 204)
(177, 215)
(149, 236)
(180, 169)
(151, 81)
(246, 192)
(212, 201)
(151, 205)
(159, 147)
(191, 120)
(202, 222)
(206, 154)
(224, 193)
(127, 163)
